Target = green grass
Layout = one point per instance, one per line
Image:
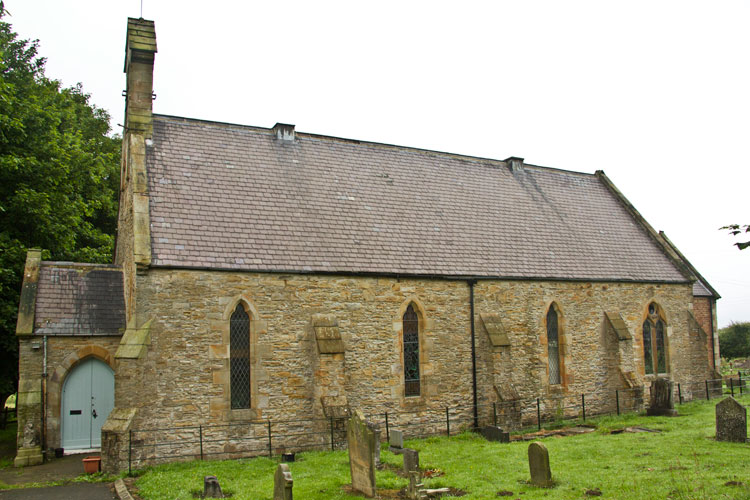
(681, 462)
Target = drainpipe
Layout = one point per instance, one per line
(712, 305)
(44, 396)
(471, 284)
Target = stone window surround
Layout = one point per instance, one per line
(563, 342)
(425, 326)
(662, 315)
(221, 376)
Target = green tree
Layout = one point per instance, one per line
(735, 229)
(59, 179)
(734, 341)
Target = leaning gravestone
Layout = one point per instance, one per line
(494, 433)
(541, 475)
(411, 460)
(661, 399)
(211, 488)
(361, 440)
(731, 421)
(282, 483)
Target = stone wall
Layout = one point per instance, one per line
(183, 379)
(703, 310)
(63, 353)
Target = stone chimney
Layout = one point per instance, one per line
(140, 48)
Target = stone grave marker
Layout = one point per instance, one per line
(282, 483)
(396, 439)
(375, 428)
(493, 433)
(414, 491)
(661, 399)
(361, 440)
(211, 488)
(541, 475)
(411, 460)
(731, 421)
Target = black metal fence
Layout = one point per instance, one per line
(274, 437)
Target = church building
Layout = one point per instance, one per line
(271, 275)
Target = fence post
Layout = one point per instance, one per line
(270, 446)
(739, 375)
(494, 414)
(387, 431)
(731, 386)
(617, 400)
(448, 421)
(333, 442)
(707, 395)
(538, 415)
(679, 392)
(130, 450)
(583, 405)
(200, 433)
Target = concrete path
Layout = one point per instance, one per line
(77, 491)
(56, 469)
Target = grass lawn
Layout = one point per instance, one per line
(681, 462)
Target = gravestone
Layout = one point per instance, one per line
(375, 428)
(361, 440)
(661, 399)
(396, 439)
(411, 460)
(414, 491)
(541, 475)
(493, 433)
(282, 483)
(731, 421)
(211, 488)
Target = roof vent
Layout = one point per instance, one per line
(284, 132)
(515, 163)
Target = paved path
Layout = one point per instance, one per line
(77, 491)
(56, 469)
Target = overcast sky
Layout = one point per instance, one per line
(655, 93)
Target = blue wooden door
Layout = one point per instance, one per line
(88, 397)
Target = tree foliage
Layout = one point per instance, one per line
(59, 179)
(735, 229)
(734, 341)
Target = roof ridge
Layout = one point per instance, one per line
(479, 159)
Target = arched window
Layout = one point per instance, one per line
(553, 346)
(411, 352)
(239, 358)
(654, 345)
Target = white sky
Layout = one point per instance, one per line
(655, 93)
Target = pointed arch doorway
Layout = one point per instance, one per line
(88, 396)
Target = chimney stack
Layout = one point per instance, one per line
(140, 48)
(284, 132)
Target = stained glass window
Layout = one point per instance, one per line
(654, 343)
(553, 347)
(411, 352)
(239, 358)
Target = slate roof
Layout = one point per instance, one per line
(79, 299)
(234, 197)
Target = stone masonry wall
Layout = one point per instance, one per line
(63, 353)
(703, 311)
(183, 380)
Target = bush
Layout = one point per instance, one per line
(734, 340)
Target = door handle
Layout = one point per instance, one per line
(93, 412)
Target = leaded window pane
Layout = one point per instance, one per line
(411, 352)
(239, 358)
(661, 355)
(648, 355)
(553, 347)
